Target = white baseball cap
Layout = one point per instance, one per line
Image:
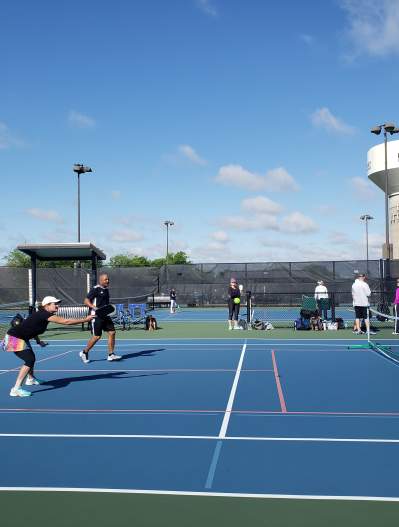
(50, 300)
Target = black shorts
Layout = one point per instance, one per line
(27, 356)
(98, 325)
(361, 311)
(234, 309)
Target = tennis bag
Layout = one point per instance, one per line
(302, 324)
(258, 324)
(340, 322)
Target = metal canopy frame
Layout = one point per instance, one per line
(61, 251)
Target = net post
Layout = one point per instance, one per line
(249, 307)
(332, 306)
(34, 283)
(368, 325)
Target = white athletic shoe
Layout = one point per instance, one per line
(32, 381)
(84, 356)
(395, 333)
(19, 392)
(113, 357)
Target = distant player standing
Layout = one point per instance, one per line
(98, 297)
(172, 296)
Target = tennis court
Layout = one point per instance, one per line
(183, 431)
(218, 314)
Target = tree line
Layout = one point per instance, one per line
(17, 258)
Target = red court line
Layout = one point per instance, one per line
(278, 384)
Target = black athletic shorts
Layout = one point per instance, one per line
(361, 311)
(98, 325)
(27, 356)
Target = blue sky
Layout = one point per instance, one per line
(246, 122)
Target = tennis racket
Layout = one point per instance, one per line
(105, 311)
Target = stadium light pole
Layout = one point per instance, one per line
(391, 129)
(366, 218)
(80, 169)
(168, 224)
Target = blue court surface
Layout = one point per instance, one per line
(219, 314)
(258, 418)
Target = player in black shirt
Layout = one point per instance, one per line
(97, 297)
(234, 299)
(18, 337)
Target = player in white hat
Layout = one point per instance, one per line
(18, 337)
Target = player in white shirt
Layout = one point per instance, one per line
(321, 297)
(361, 301)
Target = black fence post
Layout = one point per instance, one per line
(333, 306)
(249, 306)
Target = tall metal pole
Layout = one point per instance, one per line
(167, 243)
(367, 246)
(78, 207)
(386, 197)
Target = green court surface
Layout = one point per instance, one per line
(214, 330)
(66, 509)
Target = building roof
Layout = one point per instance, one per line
(62, 251)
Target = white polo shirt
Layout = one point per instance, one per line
(320, 292)
(360, 293)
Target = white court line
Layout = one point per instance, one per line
(268, 343)
(206, 438)
(203, 494)
(230, 402)
(227, 339)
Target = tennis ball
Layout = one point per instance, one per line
(237, 300)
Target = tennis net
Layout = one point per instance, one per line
(8, 312)
(387, 351)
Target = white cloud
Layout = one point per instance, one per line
(259, 222)
(373, 26)
(59, 235)
(376, 241)
(326, 209)
(261, 205)
(363, 188)
(45, 215)
(115, 194)
(323, 118)
(206, 7)
(189, 153)
(125, 235)
(277, 179)
(7, 139)
(279, 244)
(79, 120)
(339, 238)
(296, 222)
(220, 236)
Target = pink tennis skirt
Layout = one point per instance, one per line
(13, 344)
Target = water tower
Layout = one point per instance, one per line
(388, 181)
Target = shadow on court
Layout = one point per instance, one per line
(56, 384)
(144, 353)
